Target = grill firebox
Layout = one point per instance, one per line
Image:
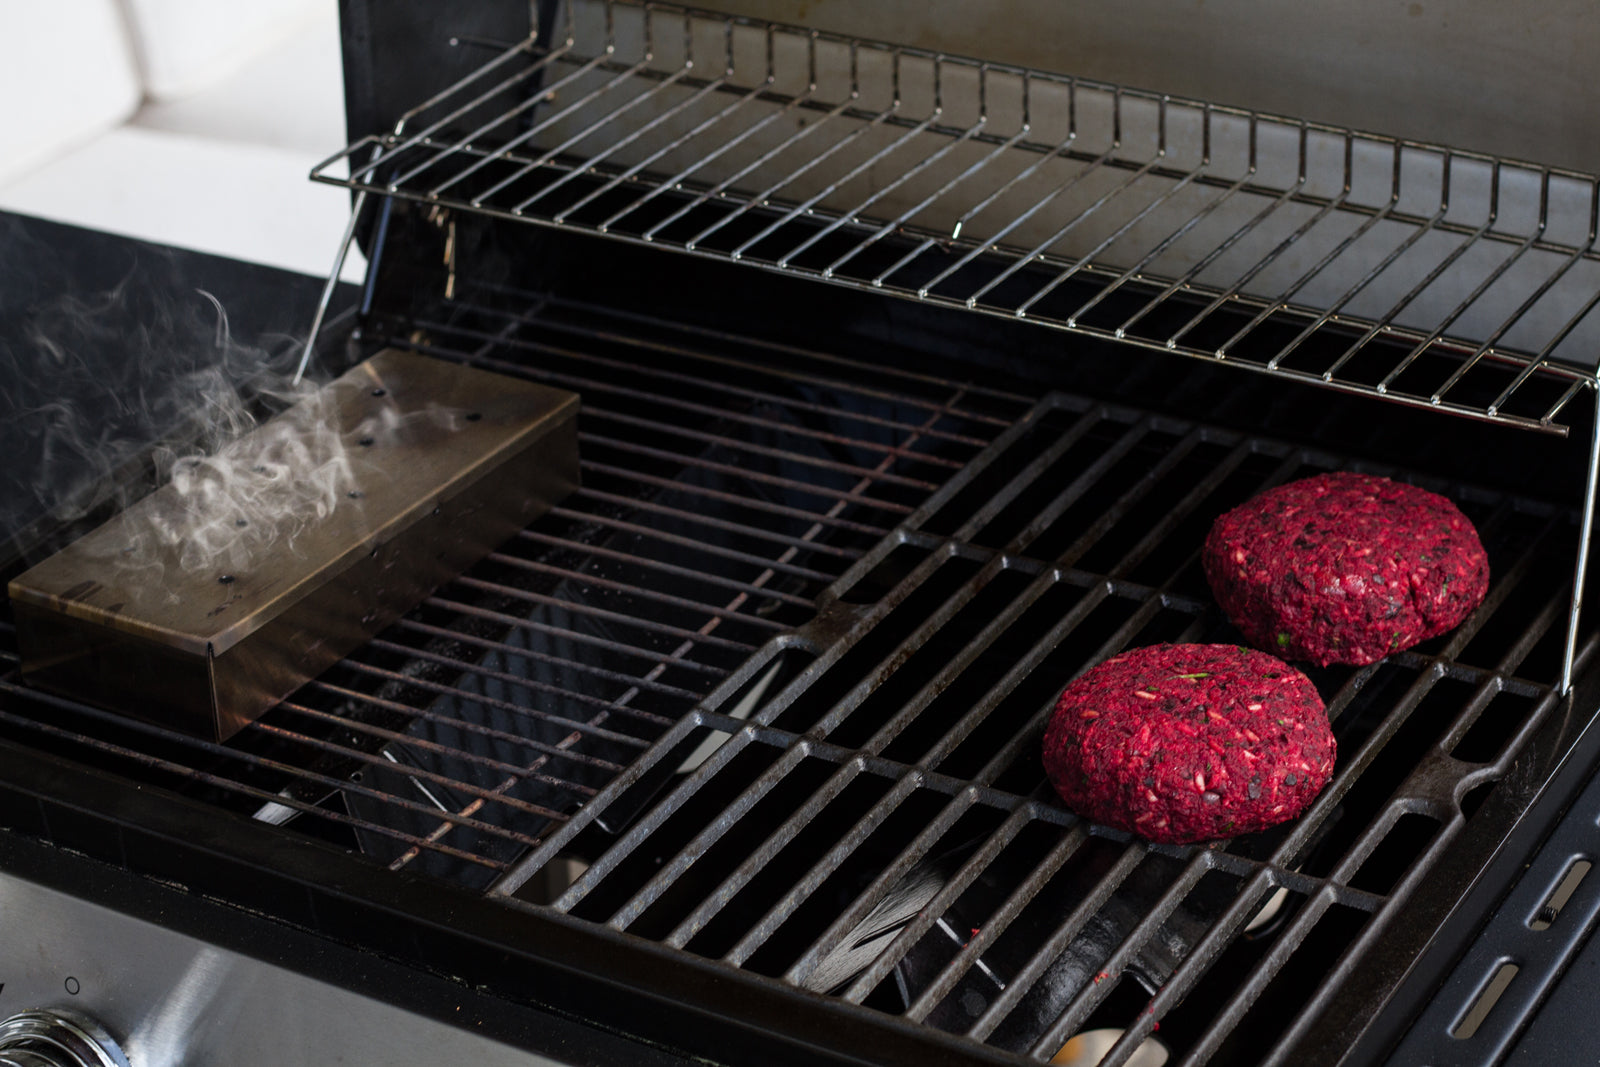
(788, 653)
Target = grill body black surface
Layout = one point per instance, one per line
(862, 545)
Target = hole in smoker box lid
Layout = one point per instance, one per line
(1551, 908)
(365, 442)
(354, 494)
(474, 416)
(380, 391)
(1485, 1001)
(226, 579)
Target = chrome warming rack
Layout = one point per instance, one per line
(1415, 273)
(1418, 273)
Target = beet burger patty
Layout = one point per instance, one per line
(1345, 568)
(1182, 743)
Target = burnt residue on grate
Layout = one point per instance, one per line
(880, 828)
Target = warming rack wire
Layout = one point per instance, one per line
(1421, 274)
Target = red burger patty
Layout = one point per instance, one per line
(1345, 568)
(1182, 743)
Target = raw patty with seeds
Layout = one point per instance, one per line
(1182, 743)
(1345, 567)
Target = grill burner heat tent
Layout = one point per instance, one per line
(732, 753)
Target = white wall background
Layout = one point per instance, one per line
(188, 122)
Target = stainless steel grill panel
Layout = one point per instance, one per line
(1425, 275)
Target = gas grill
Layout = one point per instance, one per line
(909, 390)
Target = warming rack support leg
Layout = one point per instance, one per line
(1585, 529)
(332, 283)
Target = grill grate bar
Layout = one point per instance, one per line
(1069, 622)
(1286, 299)
(502, 677)
(998, 923)
(623, 142)
(678, 541)
(786, 455)
(1071, 493)
(589, 386)
(664, 567)
(1194, 966)
(852, 917)
(1466, 303)
(1115, 642)
(684, 648)
(1046, 578)
(591, 728)
(1491, 685)
(787, 484)
(419, 773)
(1064, 443)
(572, 635)
(534, 567)
(1113, 513)
(933, 911)
(1115, 190)
(450, 751)
(240, 788)
(556, 661)
(649, 823)
(1090, 996)
(774, 843)
(750, 503)
(819, 872)
(1132, 855)
(1505, 327)
(651, 891)
(1284, 945)
(786, 359)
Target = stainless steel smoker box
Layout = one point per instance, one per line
(438, 464)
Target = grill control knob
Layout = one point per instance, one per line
(56, 1039)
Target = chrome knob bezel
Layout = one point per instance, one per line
(59, 1038)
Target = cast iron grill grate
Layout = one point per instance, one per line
(725, 485)
(868, 585)
(1426, 275)
(880, 828)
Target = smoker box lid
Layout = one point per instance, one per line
(431, 429)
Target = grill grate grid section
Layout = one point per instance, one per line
(877, 659)
(726, 484)
(895, 781)
(1428, 276)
